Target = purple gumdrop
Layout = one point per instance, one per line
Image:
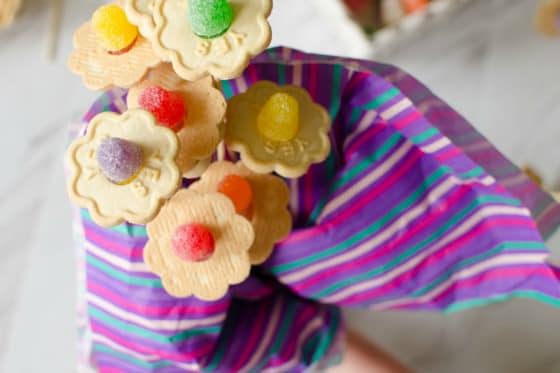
(119, 159)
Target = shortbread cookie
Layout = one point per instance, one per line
(205, 106)
(278, 129)
(102, 68)
(106, 176)
(199, 245)
(224, 56)
(265, 204)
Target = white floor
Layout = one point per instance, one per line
(488, 63)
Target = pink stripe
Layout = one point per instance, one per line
(107, 369)
(364, 137)
(357, 79)
(183, 311)
(186, 356)
(253, 73)
(401, 123)
(254, 337)
(446, 154)
(416, 227)
(308, 183)
(496, 274)
(355, 206)
(289, 348)
(450, 249)
(135, 252)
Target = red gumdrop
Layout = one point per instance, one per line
(193, 243)
(168, 108)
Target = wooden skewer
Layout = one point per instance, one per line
(54, 29)
(8, 10)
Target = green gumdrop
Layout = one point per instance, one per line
(210, 18)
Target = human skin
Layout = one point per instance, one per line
(362, 356)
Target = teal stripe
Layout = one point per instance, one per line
(381, 99)
(227, 89)
(335, 92)
(372, 229)
(330, 163)
(122, 276)
(106, 101)
(224, 340)
(377, 225)
(474, 173)
(283, 328)
(415, 249)
(326, 342)
(482, 302)
(378, 154)
(309, 349)
(366, 162)
(503, 247)
(129, 230)
(357, 170)
(272, 53)
(281, 68)
(355, 115)
(425, 136)
(131, 359)
(147, 333)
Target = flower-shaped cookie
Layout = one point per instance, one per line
(548, 17)
(198, 169)
(205, 107)
(109, 51)
(277, 129)
(198, 245)
(140, 13)
(266, 206)
(225, 55)
(124, 168)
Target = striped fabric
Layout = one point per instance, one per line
(412, 210)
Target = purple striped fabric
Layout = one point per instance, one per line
(412, 210)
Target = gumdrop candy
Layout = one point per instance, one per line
(168, 108)
(238, 190)
(193, 243)
(113, 29)
(278, 119)
(119, 159)
(210, 18)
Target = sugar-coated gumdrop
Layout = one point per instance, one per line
(238, 190)
(168, 108)
(113, 29)
(278, 119)
(412, 6)
(119, 159)
(210, 18)
(193, 242)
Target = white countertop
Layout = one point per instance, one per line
(488, 63)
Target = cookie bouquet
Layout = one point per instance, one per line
(232, 198)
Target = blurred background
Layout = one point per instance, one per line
(482, 56)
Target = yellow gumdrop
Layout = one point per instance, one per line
(113, 29)
(278, 119)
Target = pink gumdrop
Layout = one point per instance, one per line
(168, 108)
(193, 243)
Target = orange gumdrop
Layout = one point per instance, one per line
(412, 6)
(238, 190)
